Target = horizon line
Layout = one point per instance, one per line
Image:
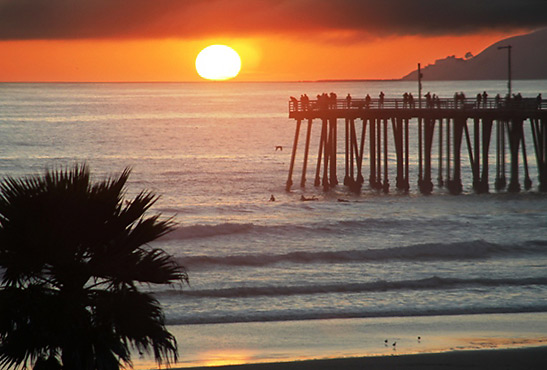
(237, 81)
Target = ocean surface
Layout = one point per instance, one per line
(208, 149)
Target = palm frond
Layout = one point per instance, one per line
(72, 253)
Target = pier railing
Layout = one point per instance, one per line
(393, 103)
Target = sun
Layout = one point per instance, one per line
(218, 62)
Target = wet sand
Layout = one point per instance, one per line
(514, 359)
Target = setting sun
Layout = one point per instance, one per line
(218, 62)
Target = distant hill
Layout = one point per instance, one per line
(528, 61)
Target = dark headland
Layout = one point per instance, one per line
(528, 59)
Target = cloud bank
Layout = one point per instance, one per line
(75, 19)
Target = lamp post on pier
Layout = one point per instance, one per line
(508, 47)
(420, 75)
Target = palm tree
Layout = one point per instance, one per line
(73, 255)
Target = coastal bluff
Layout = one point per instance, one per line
(529, 61)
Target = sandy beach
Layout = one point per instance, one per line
(496, 341)
(514, 359)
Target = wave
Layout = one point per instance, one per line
(472, 250)
(433, 283)
(203, 231)
(337, 227)
(349, 314)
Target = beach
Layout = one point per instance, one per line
(386, 341)
(514, 359)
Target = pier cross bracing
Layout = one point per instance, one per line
(383, 125)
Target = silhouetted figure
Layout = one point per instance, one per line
(462, 99)
(272, 198)
(517, 99)
(305, 100)
(538, 101)
(348, 101)
(435, 101)
(332, 100)
(497, 101)
(381, 101)
(427, 97)
(485, 99)
(479, 99)
(410, 100)
(294, 101)
(326, 100)
(405, 100)
(367, 101)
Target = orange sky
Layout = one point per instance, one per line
(106, 40)
(263, 58)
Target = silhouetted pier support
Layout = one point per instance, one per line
(539, 134)
(354, 155)
(448, 122)
(515, 133)
(306, 152)
(293, 155)
(454, 185)
(400, 137)
(483, 186)
(501, 181)
(425, 132)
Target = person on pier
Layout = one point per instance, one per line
(485, 99)
(332, 100)
(411, 100)
(367, 101)
(323, 101)
(428, 100)
(405, 100)
(294, 102)
(305, 101)
(479, 100)
(462, 100)
(538, 101)
(381, 101)
(348, 101)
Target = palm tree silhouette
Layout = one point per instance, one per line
(73, 255)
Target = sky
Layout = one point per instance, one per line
(278, 40)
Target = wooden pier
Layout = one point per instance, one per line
(453, 122)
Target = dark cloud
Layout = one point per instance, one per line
(69, 19)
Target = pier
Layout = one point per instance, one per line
(378, 129)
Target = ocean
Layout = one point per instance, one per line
(208, 150)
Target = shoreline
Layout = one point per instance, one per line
(515, 359)
(381, 342)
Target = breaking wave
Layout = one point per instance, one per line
(292, 315)
(360, 226)
(472, 250)
(376, 286)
